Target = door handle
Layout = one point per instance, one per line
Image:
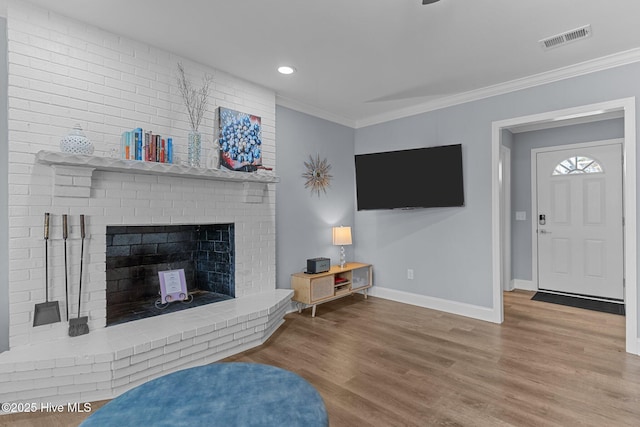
(544, 232)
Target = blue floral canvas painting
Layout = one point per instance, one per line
(240, 140)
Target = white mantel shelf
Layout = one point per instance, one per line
(152, 168)
(73, 173)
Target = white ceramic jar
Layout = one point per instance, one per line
(76, 142)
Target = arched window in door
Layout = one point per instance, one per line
(577, 165)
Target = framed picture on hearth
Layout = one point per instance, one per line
(173, 286)
(240, 140)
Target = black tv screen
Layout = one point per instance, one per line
(417, 178)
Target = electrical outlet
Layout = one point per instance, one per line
(410, 274)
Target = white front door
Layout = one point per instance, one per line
(579, 220)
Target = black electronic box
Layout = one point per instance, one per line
(318, 265)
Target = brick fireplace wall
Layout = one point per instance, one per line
(63, 72)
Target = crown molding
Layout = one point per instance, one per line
(314, 111)
(587, 67)
(582, 68)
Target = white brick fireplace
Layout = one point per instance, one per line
(63, 72)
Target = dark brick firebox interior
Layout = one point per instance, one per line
(135, 255)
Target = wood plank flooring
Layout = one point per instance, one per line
(381, 363)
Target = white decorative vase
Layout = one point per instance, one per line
(76, 142)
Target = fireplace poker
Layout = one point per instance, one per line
(48, 311)
(65, 233)
(79, 326)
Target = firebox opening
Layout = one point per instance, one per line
(135, 255)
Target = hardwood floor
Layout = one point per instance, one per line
(380, 363)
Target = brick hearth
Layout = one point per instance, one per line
(110, 361)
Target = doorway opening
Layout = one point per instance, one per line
(618, 108)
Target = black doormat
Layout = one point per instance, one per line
(589, 304)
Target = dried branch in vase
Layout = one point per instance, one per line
(194, 99)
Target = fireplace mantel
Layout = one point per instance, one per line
(151, 168)
(73, 172)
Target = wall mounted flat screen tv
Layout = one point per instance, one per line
(416, 178)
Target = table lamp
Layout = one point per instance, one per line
(341, 237)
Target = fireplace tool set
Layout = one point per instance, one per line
(49, 311)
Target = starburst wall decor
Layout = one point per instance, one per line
(317, 174)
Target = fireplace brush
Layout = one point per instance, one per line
(79, 326)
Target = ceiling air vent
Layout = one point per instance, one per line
(566, 37)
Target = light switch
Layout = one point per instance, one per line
(521, 216)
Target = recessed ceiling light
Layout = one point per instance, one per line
(285, 69)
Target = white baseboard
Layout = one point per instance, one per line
(453, 307)
(525, 285)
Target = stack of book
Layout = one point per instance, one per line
(138, 144)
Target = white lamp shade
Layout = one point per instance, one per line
(341, 236)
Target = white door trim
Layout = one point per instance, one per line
(534, 191)
(505, 221)
(628, 107)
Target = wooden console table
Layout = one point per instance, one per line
(314, 289)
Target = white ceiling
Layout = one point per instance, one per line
(362, 60)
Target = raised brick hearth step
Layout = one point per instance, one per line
(110, 361)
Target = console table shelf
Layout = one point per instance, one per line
(314, 289)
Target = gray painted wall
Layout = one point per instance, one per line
(450, 249)
(521, 179)
(507, 139)
(304, 220)
(4, 193)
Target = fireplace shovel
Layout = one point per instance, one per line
(79, 326)
(48, 311)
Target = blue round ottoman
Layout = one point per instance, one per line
(220, 394)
